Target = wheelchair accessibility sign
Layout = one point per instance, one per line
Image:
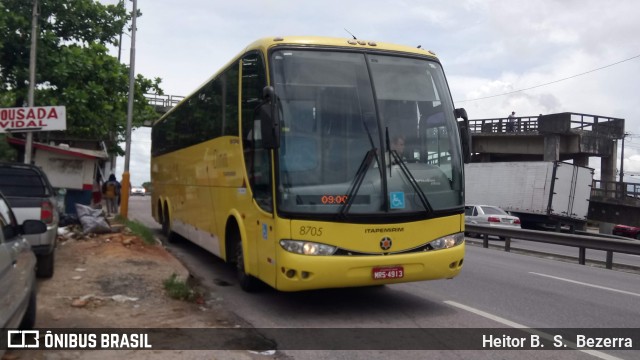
(396, 199)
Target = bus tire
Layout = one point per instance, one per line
(166, 226)
(247, 282)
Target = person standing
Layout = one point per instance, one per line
(511, 122)
(111, 192)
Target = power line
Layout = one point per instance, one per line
(551, 82)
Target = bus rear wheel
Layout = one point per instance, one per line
(166, 226)
(247, 282)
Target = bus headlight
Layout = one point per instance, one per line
(448, 241)
(307, 247)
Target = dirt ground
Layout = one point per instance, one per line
(116, 281)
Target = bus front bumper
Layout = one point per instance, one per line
(302, 272)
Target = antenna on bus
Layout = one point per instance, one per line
(354, 37)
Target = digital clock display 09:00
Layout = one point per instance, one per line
(331, 199)
(334, 199)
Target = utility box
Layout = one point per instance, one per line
(542, 194)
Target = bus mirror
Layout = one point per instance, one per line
(269, 124)
(461, 113)
(465, 133)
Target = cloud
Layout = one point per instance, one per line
(487, 47)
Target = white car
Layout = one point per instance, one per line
(489, 215)
(135, 190)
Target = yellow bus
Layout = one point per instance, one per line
(313, 162)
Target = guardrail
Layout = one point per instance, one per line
(615, 189)
(582, 242)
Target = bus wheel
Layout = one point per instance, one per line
(166, 226)
(247, 282)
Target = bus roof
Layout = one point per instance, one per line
(268, 42)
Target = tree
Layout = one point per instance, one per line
(74, 67)
(148, 186)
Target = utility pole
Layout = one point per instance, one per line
(112, 137)
(28, 147)
(126, 185)
(623, 187)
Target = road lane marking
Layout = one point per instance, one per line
(516, 325)
(587, 284)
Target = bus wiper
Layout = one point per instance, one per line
(357, 180)
(403, 166)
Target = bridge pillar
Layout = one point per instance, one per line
(551, 147)
(608, 174)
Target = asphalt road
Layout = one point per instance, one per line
(495, 290)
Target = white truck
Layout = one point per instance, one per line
(542, 194)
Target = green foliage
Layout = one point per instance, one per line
(7, 153)
(138, 229)
(74, 67)
(148, 187)
(179, 289)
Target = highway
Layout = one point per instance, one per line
(496, 289)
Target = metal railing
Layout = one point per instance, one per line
(615, 190)
(163, 100)
(582, 242)
(502, 125)
(592, 122)
(524, 124)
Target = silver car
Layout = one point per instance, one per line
(17, 270)
(489, 215)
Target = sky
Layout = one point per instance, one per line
(487, 47)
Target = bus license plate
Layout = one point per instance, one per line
(381, 273)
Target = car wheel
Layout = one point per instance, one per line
(29, 319)
(638, 236)
(247, 282)
(45, 265)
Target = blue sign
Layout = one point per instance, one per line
(265, 234)
(396, 199)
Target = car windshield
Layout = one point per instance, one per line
(491, 210)
(364, 134)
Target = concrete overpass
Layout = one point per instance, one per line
(564, 136)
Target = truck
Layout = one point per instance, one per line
(543, 194)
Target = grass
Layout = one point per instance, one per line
(179, 289)
(138, 229)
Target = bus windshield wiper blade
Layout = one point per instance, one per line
(403, 166)
(357, 180)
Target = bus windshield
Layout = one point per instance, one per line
(364, 133)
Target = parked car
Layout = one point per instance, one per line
(17, 270)
(135, 190)
(627, 231)
(489, 215)
(32, 197)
